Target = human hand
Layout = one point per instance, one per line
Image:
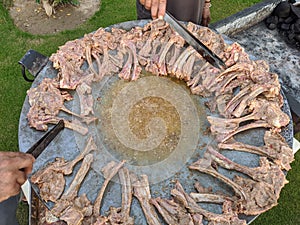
(157, 7)
(206, 14)
(14, 168)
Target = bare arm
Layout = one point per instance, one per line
(14, 168)
(157, 7)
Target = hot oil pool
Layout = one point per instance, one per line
(154, 123)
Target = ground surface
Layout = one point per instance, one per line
(30, 16)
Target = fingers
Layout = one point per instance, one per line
(21, 177)
(142, 2)
(162, 8)
(10, 183)
(157, 7)
(13, 161)
(27, 163)
(154, 9)
(205, 17)
(148, 4)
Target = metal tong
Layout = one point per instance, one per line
(205, 52)
(41, 144)
(38, 148)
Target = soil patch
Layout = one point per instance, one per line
(31, 17)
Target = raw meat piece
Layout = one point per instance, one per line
(174, 213)
(109, 171)
(68, 60)
(235, 53)
(266, 172)
(257, 124)
(275, 148)
(50, 191)
(183, 198)
(204, 165)
(210, 198)
(46, 100)
(122, 215)
(141, 191)
(262, 110)
(212, 40)
(54, 172)
(73, 189)
(69, 207)
(237, 105)
(84, 92)
(256, 196)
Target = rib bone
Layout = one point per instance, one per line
(257, 124)
(122, 215)
(172, 212)
(266, 172)
(126, 192)
(204, 165)
(68, 168)
(226, 218)
(275, 148)
(109, 171)
(71, 193)
(270, 112)
(141, 191)
(260, 194)
(210, 198)
(68, 199)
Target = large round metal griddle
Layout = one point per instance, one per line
(169, 106)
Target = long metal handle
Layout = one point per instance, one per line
(41, 144)
(204, 51)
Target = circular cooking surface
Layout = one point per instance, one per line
(155, 124)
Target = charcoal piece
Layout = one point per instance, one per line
(271, 22)
(297, 37)
(280, 20)
(272, 26)
(292, 28)
(282, 9)
(289, 20)
(285, 26)
(291, 36)
(296, 28)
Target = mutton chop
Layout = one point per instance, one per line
(52, 191)
(122, 215)
(141, 191)
(109, 171)
(175, 213)
(70, 207)
(264, 113)
(267, 172)
(275, 148)
(46, 101)
(227, 217)
(256, 196)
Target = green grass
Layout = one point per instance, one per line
(14, 44)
